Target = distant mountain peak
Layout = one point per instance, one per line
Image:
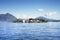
(7, 13)
(48, 19)
(7, 17)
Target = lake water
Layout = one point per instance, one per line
(30, 31)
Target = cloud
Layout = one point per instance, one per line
(17, 15)
(53, 15)
(23, 16)
(41, 10)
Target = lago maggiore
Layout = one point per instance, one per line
(30, 31)
(29, 19)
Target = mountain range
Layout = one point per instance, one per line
(9, 17)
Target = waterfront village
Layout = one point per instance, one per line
(30, 20)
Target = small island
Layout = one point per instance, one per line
(30, 20)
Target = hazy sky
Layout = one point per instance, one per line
(31, 8)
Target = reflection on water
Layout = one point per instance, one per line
(30, 31)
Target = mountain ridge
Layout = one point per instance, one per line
(7, 17)
(10, 18)
(48, 19)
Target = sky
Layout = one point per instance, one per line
(31, 8)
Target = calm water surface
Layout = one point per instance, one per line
(30, 31)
